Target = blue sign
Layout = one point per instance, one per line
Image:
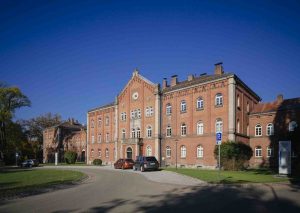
(219, 138)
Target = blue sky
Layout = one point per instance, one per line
(71, 56)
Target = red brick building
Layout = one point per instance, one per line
(69, 135)
(177, 119)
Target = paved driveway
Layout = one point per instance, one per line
(108, 190)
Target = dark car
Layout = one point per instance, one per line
(144, 163)
(124, 163)
(30, 163)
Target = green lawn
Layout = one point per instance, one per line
(65, 164)
(227, 177)
(16, 181)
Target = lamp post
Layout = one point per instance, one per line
(176, 140)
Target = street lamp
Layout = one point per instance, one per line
(176, 140)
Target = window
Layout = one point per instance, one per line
(92, 123)
(219, 100)
(258, 152)
(270, 129)
(168, 109)
(123, 134)
(169, 131)
(200, 128)
(258, 129)
(269, 152)
(99, 121)
(92, 153)
(238, 101)
(133, 133)
(106, 153)
(129, 152)
(168, 152)
(238, 126)
(183, 106)
(93, 138)
(219, 125)
(149, 131)
(147, 112)
(99, 138)
(183, 152)
(183, 129)
(247, 129)
(138, 132)
(123, 116)
(199, 104)
(248, 107)
(199, 151)
(106, 120)
(139, 113)
(151, 111)
(292, 126)
(107, 137)
(148, 151)
(99, 153)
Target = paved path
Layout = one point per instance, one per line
(108, 190)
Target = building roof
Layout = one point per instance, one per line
(102, 107)
(274, 106)
(69, 125)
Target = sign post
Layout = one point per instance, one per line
(219, 142)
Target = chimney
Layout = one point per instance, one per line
(279, 98)
(165, 83)
(219, 68)
(173, 80)
(191, 77)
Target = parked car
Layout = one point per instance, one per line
(144, 163)
(124, 163)
(30, 163)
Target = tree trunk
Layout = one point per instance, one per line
(2, 140)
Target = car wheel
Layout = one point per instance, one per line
(142, 168)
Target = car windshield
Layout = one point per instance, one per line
(150, 159)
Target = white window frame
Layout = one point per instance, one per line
(219, 99)
(200, 103)
(93, 139)
(169, 131)
(92, 153)
(106, 120)
(133, 133)
(183, 129)
(183, 151)
(99, 153)
(168, 152)
(92, 123)
(151, 112)
(99, 121)
(270, 129)
(219, 125)
(123, 133)
(258, 130)
(183, 107)
(138, 132)
(106, 153)
(99, 138)
(200, 151)
(148, 150)
(149, 132)
(107, 137)
(147, 114)
(269, 152)
(200, 128)
(168, 109)
(238, 101)
(238, 128)
(258, 152)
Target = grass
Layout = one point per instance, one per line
(65, 164)
(16, 182)
(231, 177)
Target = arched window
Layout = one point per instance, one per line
(238, 126)
(92, 153)
(106, 120)
(219, 99)
(269, 152)
(168, 152)
(183, 106)
(123, 133)
(148, 151)
(292, 126)
(106, 153)
(107, 137)
(200, 103)
(258, 130)
(183, 129)
(258, 151)
(99, 121)
(219, 125)
(200, 128)
(99, 153)
(169, 131)
(93, 137)
(183, 152)
(133, 133)
(92, 123)
(129, 152)
(168, 109)
(138, 132)
(199, 151)
(99, 138)
(270, 129)
(238, 101)
(149, 131)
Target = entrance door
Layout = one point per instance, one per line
(129, 153)
(83, 156)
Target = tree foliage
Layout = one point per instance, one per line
(234, 155)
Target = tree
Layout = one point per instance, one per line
(11, 98)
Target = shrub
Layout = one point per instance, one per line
(97, 162)
(70, 157)
(234, 155)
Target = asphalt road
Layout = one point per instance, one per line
(120, 191)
